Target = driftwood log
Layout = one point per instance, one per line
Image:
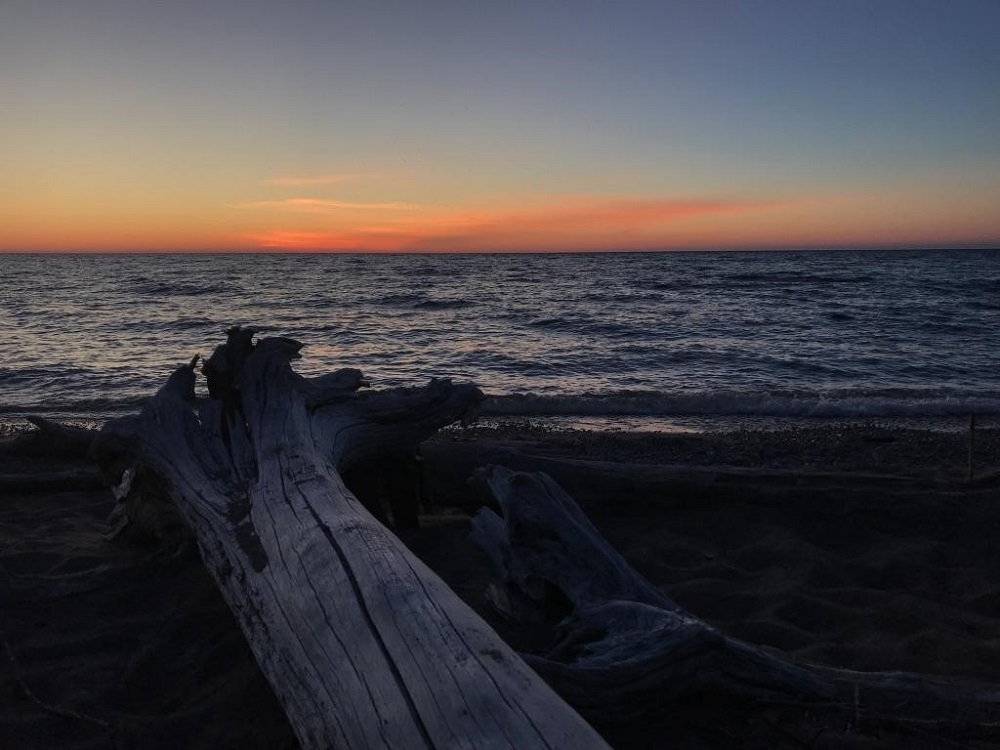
(49, 439)
(364, 646)
(626, 651)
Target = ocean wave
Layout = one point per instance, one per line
(398, 298)
(426, 269)
(839, 317)
(669, 286)
(84, 408)
(587, 326)
(983, 305)
(794, 277)
(443, 304)
(12, 376)
(804, 404)
(168, 324)
(158, 288)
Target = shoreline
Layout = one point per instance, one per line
(14, 420)
(936, 455)
(848, 447)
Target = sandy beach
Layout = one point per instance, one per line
(859, 547)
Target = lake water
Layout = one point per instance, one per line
(633, 340)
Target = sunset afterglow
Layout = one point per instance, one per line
(422, 127)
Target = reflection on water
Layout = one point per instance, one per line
(699, 334)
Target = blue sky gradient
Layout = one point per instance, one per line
(155, 125)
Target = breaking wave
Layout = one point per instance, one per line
(802, 404)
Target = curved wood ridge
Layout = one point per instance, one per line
(626, 650)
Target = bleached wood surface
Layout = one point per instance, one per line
(364, 646)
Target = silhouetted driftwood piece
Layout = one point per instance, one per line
(50, 439)
(222, 368)
(362, 643)
(626, 650)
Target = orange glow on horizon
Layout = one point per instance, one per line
(567, 226)
(371, 221)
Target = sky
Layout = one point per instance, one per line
(299, 125)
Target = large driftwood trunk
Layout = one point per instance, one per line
(364, 646)
(626, 651)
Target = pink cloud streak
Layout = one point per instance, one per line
(582, 224)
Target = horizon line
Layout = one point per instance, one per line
(742, 249)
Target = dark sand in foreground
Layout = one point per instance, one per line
(108, 644)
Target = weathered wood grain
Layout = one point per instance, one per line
(364, 646)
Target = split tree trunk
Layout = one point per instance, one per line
(364, 646)
(626, 651)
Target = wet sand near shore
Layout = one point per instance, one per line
(114, 644)
(837, 447)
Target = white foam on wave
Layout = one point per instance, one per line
(747, 403)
